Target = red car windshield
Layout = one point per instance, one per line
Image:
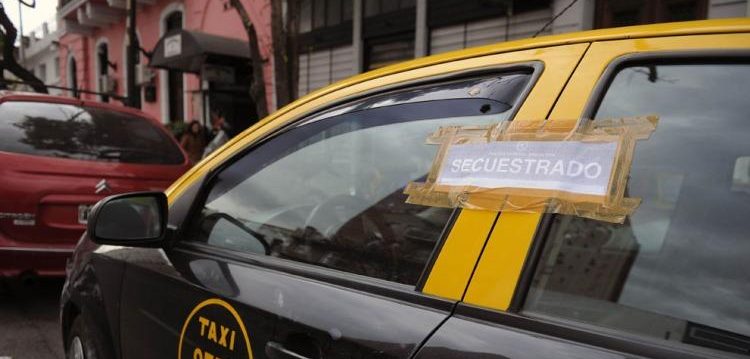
(83, 133)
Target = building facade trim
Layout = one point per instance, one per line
(171, 8)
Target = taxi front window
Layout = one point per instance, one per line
(329, 192)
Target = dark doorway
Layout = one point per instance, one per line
(223, 66)
(73, 75)
(233, 100)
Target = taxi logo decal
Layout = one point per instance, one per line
(214, 330)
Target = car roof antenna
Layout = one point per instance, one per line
(554, 18)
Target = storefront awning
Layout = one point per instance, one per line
(189, 51)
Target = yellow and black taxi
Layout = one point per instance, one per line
(298, 239)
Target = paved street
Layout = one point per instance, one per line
(28, 320)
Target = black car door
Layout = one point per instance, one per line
(303, 245)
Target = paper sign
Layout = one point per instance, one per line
(570, 166)
(173, 45)
(575, 167)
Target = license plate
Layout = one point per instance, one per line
(83, 213)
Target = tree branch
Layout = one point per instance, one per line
(280, 63)
(9, 60)
(257, 88)
(292, 47)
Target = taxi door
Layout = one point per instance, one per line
(263, 268)
(561, 286)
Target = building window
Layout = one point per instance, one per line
(102, 71)
(175, 85)
(615, 13)
(322, 67)
(56, 68)
(42, 72)
(377, 7)
(389, 50)
(73, 76)
(388, 32)
(305, 16)
(325, 51)
(318, 14)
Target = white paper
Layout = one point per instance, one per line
(570, 166)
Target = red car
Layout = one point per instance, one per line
(59, 156)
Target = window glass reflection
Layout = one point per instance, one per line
(677, 268)
(336, 199)
(329, 192)
(83, 133)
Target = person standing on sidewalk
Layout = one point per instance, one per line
(194, 141)
(218, 129)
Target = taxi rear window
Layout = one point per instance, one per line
(677, 268)
(83, 133)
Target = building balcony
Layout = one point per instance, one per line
(84, 16)
(40, 39)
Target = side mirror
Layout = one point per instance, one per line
(131, 219)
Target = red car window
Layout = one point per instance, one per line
(83, 133)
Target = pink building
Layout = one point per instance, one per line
(337, 39)
(93, 44)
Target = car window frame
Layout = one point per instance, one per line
(195, 200)
(588, 332)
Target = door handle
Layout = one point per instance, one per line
(277, 351)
